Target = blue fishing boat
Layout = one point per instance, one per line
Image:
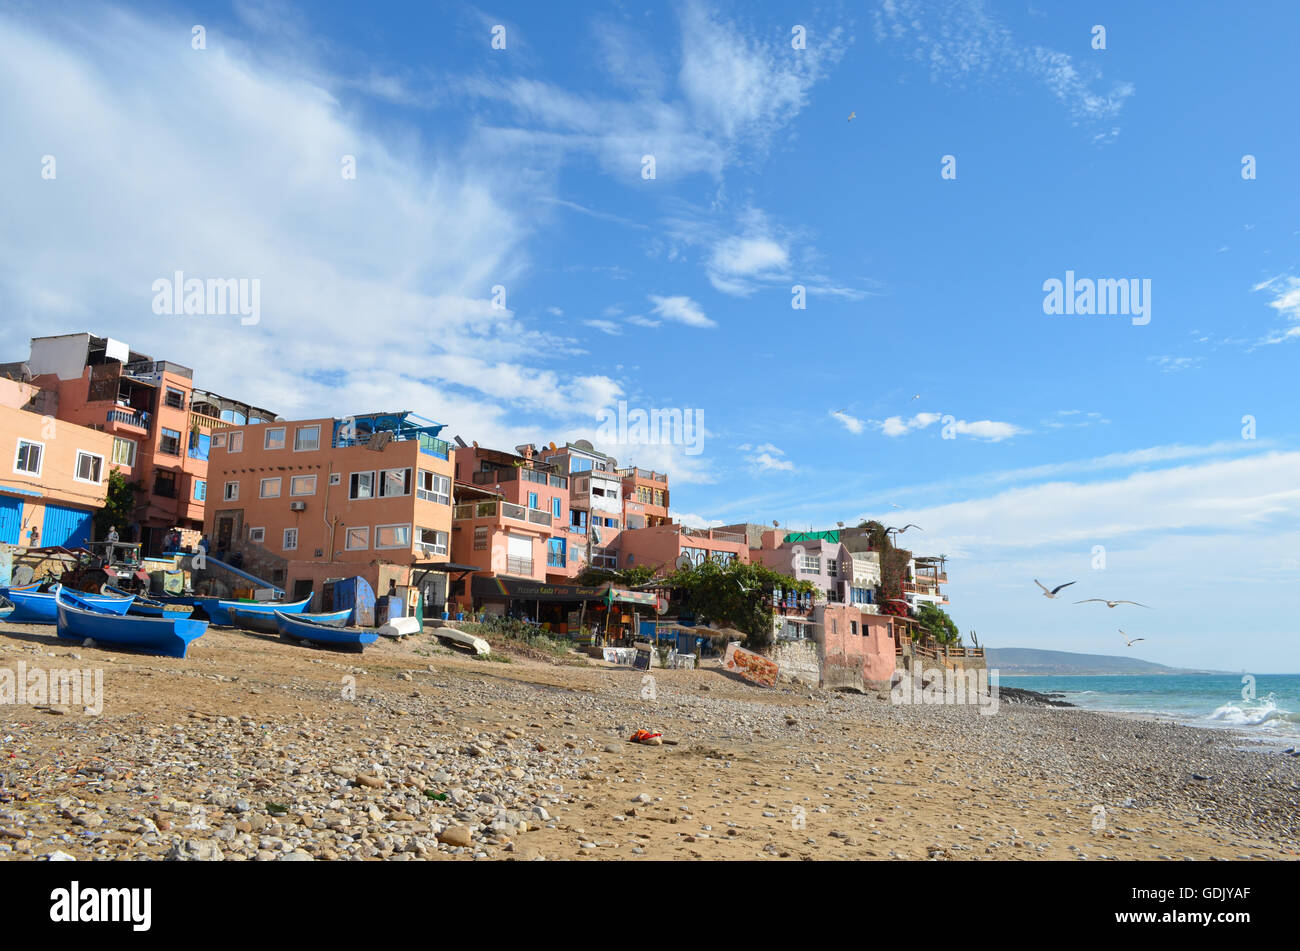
(38, 607)
(149, 607)
(218, 609)
(295, 627)
(6, 607)
(170, 638)
(261, 621)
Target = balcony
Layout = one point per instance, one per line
(508, 510)
(127, 422)
(516, 565)
(200, 421)
(645, 474)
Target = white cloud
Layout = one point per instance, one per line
(768, 458)
(605, 326)
(1286, 301)
(985, 429)
(681, 309)
(851, 423)
(642, 321)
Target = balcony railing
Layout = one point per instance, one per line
(516, 565)
(128, 418)
(508, 510)
(200, 421)
(647, 474)
(540, 517)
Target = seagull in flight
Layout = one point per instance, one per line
(852, 116)
(1111, 604)
(895, 505)
(1127, 642)
(1053, 592)
(904, 528)
(917, 396)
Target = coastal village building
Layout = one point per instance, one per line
(314, 500)
(645, 497)
(595, 501)
(160, 424)
(55, 473)
(662, 546)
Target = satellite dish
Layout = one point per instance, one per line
(584, 445)
(684, 561)
(552, 445)
(475, 443)
(612, 462)
(775, 523)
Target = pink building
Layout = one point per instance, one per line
(660, 546)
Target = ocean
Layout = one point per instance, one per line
(1265, 707)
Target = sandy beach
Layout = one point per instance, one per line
(257, 749)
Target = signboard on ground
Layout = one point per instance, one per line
(753, 667)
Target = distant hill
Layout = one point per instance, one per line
(1029, 660)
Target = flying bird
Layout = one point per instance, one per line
(1127, 641)
(1111, 604)
(1054, 591)
(904, 528)
(916, 397)
(852, 116)
(895, 505)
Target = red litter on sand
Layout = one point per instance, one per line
(645, 736)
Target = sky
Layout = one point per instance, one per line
(558, 209)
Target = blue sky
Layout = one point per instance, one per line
(522, 168)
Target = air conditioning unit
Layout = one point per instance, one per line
(297, 506)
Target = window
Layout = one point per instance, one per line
(532, 500)
(480, 538)
(578, 464)
(257, 534)
(432, 540)
(555, 508)
(362, 486)
(236, 442)
(853, 625)
(832, 567)
(611, 523)
(170, 444)
(302, 485)
(231, 492)
(433, 487)
(393, 482)
(556, 554)
(357, 538)
(174, 398)
(274, 438)
(270, 488)
(164, 483)
(90, 467)
(696, 555)
(336, 478)
(200, 490)
(123, 451)
(218, 440)
(28, 457)
(810, 564)
(392, 536)
(306, 438)
(290, 539)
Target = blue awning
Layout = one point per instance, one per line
(21, 491)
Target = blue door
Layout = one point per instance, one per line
(65, 526)
(11, 519)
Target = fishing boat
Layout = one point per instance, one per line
(6, 607)
(293, 626)
(261, 621)
(166, 636)
(458, 638)
(148, 607)
(218, 609)
(38, 607)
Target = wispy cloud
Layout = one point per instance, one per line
(681, 309)
(983, 429)
(1285, 289)
(851, 423)
(961, 41)
(605, 326)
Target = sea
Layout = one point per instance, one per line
(1264, 707)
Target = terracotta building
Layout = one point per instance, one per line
(55, 473)
(312, 500)
(160, 424)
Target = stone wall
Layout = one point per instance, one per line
(798, 660)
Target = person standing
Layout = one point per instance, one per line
(112, 534)
(34, 537)
(205, 544)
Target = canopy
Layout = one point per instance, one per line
(632, 597)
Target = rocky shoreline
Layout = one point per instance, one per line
(256, 750)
